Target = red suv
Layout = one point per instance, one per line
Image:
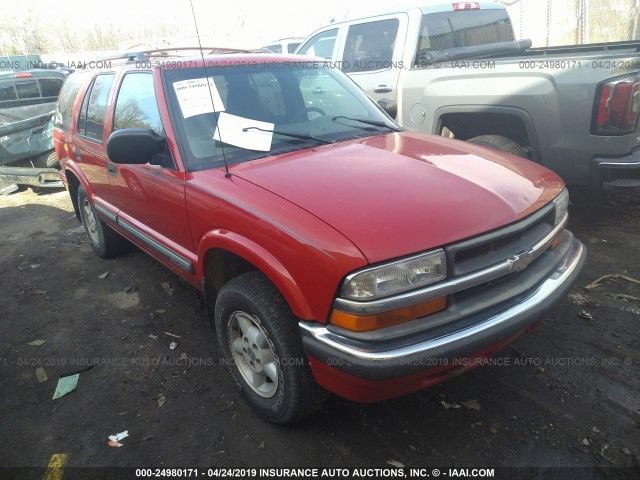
(334, 250)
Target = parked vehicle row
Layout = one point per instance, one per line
(452, 69)
(456, 69)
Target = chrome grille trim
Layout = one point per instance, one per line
(515, 263)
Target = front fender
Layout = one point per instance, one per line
(262, 259)
(71, 166)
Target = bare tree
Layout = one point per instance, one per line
(68, 40)
(634, 21)
(24, 34)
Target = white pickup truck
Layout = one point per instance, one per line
(456, 69)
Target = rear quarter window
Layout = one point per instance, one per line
(66, 99)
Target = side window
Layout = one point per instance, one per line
(66, 99)
(324, 93)
(82, 118)
(91, 121)
(370, 45)
(27, 89)
(136, 106)
(320, 45)
(274, 48)
(463, 28)
(50, 87)
(7, 91)
(292, 47)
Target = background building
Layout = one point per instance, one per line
(568, 22)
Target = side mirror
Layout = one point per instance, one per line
(134, 145)
(389, 106)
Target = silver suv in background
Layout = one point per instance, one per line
(283, 45)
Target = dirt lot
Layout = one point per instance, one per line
(567, 394)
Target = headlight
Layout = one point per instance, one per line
(562, 205)
(396, 277)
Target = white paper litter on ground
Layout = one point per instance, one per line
(114, 440)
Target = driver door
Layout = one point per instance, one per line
(150, 198)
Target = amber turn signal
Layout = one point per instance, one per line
(555, 241)
(365, 323)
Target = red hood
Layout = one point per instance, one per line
(402, 193)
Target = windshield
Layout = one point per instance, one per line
(265, 109)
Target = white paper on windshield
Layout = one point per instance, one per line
(195, 99)
(231, 130)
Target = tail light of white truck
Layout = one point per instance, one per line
(617, 106)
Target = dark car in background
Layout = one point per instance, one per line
(27, 103)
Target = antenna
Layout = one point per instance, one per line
(204, 65)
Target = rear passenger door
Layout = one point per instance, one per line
(89, 145)
(150, 198)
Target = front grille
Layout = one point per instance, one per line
(510, 244)
(488, 249)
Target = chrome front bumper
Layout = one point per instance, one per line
(400, 357)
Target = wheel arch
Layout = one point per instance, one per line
(226, 255)
(74, 182)
(468, 121)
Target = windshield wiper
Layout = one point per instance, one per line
(375, 123)
(300, 136)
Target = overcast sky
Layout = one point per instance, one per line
(242, 23)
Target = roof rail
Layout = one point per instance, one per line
(144, 55)
(128, 56)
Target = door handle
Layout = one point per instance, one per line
(37, 130)
(382, 89)
(111, 168)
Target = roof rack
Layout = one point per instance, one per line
(144, 55)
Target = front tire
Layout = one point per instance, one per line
(105, 242)
(258, 335)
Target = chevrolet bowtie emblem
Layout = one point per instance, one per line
(520, 261)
